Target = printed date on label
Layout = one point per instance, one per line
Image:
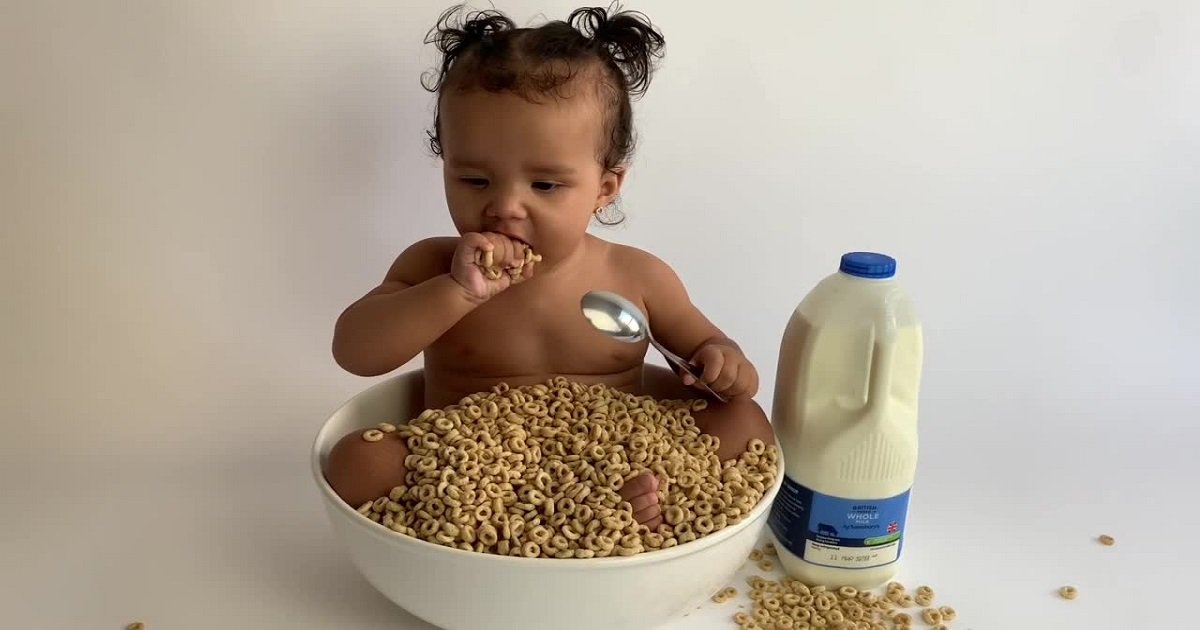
(851, 558)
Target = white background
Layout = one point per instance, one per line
(192, 193)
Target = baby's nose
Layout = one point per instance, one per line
(507, 206)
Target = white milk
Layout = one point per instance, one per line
(845, 413)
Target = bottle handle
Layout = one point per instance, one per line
(883, 351)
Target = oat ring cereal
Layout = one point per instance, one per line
(485, 260)
(535, 471)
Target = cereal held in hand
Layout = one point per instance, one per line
(485, 259)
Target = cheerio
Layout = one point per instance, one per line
(845, 413)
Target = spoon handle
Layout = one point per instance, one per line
(686, 366)
(671, 356)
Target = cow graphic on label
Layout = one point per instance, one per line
(826, 530)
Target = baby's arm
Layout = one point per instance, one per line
(429, 289)
(683, 329)
(417, 302)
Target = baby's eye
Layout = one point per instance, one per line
(545, 186)
(474, 182)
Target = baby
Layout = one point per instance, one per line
(534, 129)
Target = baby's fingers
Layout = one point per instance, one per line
(744, 382)
(727, 378)
(712, 361)
(472, 247)
(687, 377)
(506, 250)
(740, 386)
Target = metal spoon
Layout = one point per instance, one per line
(622, 320)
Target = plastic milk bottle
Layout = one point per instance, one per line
(845, 413)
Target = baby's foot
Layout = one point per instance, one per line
(365, 465)
(642, 493)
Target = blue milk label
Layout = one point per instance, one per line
(838, 533)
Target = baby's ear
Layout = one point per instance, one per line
(610, 186)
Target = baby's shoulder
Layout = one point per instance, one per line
(629, 256)
(424, 259)
(640, 268)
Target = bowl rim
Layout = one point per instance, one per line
(386, 535)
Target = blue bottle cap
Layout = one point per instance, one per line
(868, 265)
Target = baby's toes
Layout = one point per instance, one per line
(642, 494)
(645, 483)
(641, 502)
(651, 515)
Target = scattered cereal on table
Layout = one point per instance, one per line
(788, 604)
(724, 595)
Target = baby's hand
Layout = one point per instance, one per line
(725, 369)
(499, 250)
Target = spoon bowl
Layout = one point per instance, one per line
(622, 320)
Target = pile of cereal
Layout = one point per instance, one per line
(534, 472)
(789, 604)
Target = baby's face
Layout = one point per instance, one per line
(527, 170)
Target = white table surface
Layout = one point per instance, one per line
(186, 536)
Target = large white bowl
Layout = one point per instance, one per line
(463, 590)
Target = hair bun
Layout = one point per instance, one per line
(484, 23)
(626, 38)
(458, 30)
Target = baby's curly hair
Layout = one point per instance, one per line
(485, 50)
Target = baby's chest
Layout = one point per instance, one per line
(518, 337)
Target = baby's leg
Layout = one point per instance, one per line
(734, 423)
(359, 470)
